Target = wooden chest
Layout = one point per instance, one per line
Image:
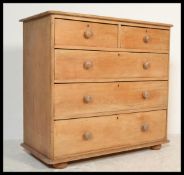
(93, 85)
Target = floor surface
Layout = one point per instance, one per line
(166, 159)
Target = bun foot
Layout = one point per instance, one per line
(60, 165)
(156, 147)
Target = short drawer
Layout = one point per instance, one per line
(90, 34)
(92, 99)
(87, 135)
(144, 38)
(90, 66)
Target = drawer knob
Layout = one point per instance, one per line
(87, 99)
(87, 65)
(146, 65)
(87, 136)
(88, 34)
(144, 127)
(146, 39)
(145, 94)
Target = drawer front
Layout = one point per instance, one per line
(88, 99)
(84, 135)
(78, 33)
(87, 66)
(144, 38)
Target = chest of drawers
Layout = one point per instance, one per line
(93, 85)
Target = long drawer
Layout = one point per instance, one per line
(90, 99)
(88, 66)
(72, 137)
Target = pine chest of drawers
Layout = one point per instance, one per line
(93, 85)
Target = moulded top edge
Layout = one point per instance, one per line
(52, 12)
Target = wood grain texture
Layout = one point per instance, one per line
(91, 153)
(65, 14)
(37, 154)
(108, 66)
(106, 21)
(52, 50)
(107, 132)
(37, 85)
(111, 49)
(104, 35)
(107, 97)
(103, 80)
(168, 86)
(132, 38)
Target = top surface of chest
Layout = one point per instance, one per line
(72, 30)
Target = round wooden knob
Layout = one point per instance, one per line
(145, 94)
(144, 127)
(87, 65)
(87, 99)
(146, 39)
(146, 65)
(88, 34)
(87, 136)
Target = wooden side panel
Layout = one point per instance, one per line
(108, 66)
(68, 32)
(37, 85)
(107, 97)
(133, 38)
(124, 130)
